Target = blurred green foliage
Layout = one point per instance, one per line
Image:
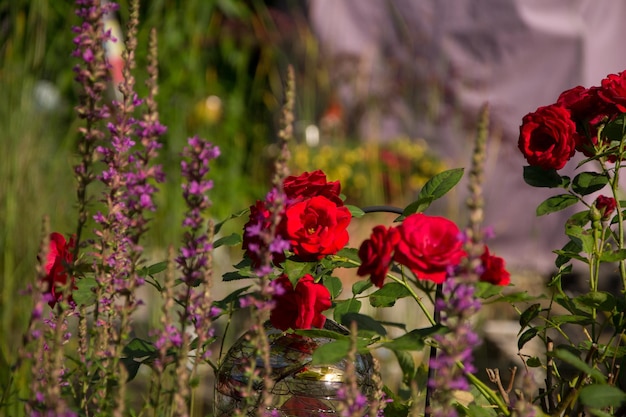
(233, 53)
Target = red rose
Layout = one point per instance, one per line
(376, 253)
(613, 90)
(587, 110)
(300, 308)
(606, 205)
(429, 246)
(547, 137)
(493, 269)
(311, 184)
(59, 258)
(316, 227)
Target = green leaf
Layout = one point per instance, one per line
(517, 297)
(297, 269)
(526, 337)
(355, 211)
(435, 188)
(407, 365)
(230, 240)
(571, 318)
(533, 362)
(350, 253)
(599, 413)
(139, 348)
(334, 286)
(579, 219)
(329, 334)
(600, 396)
(529, 315)
(230, 298)
(581, 236)
(219, 225)
(157, 267)
(132, 367)
(475, 410)
(363, 322)
(614, 130)
(569, 357)
(397, 407)
(571, 250)
(388, 295)
(330, 353)
(418, 206)
(360, 286)
(600, 300)
(539, 177)
(414, 340)
(486, 290)
(614, 256)
(556, 203)
(441, 183)
(346, 306)
(243, 273)
(589, 182)
(335, 351)
(84, 293)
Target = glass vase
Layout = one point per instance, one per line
(300, 389)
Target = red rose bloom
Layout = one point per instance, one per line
(316, 227)
(311, 184)
(493, 269)
(613, 90)
(587, 110)
(59, 257)
(606, 205)
(547, 137)
(300, 308)
(376, 253)
(429, 246)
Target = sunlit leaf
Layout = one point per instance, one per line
(414, 340)
(230, 240)
(360, 286)
(589, 182)
(297, 269)
(346, 306)
(84, 294)
(334, 286)
(218, 226)
(388, 295)
(334, 351)
(435, 188)
(355, 211)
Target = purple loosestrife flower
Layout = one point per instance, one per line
(92, 76)
(456, 306)
(194, 254)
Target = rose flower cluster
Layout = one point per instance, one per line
(551, 135)
(314, 223)
(430, 246)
